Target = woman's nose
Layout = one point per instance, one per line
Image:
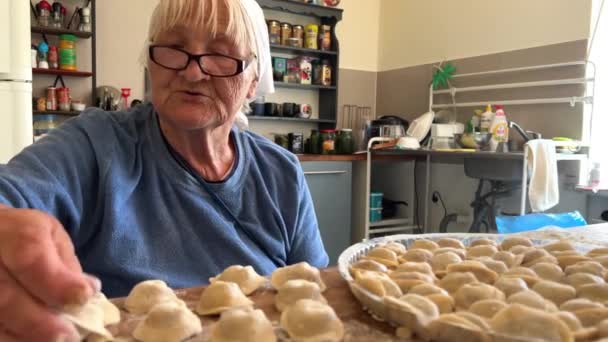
(193, 72)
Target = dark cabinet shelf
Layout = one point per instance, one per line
(56, 112)
(301, 8)
(60, 72)
(301, 51)
(280, 118)
(57, 32)
(302, 86)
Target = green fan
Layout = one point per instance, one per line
(442, 76)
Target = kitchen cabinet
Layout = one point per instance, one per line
(330, 187)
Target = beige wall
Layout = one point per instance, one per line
(358, 34)
(414, 32)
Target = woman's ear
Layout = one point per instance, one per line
(252, 88)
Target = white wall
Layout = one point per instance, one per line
(414, 32)
(358, 33)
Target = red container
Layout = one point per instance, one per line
(51, 98)
(63, 98)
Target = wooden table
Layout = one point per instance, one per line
(359, 325)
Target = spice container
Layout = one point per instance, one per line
(285, 33)
(63, 98)
(44, 124)
(296, 142)
(325, 37)
(293, 71)
(274, 32)
(67, 52)
(53, 58)
(44, 13)
(326, 71)
(298, 34)
(328, 141)
(51, 98)
(312, 34)
(305, 71)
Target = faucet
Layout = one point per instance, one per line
(527, 135)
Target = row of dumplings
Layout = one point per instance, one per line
(305, 314)
(443, 291)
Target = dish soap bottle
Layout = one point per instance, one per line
(499, 128)
(485, 122)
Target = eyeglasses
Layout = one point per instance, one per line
(212, 64)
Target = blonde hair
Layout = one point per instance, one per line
(204, 15)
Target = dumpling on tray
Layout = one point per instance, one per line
(301, 270)
(168, 322)
(310, 320)
(245, 277)
(220, 296)
(297, 289)
(519, 322)
(147, 294)
(244, 324)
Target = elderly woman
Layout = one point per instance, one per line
(171, 190)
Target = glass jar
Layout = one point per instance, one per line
(53, 58)
(285, 33)
(314, 141)
(274, 32)
(345, 141)
(324, 38)
(44, 124)
(328, 141)
(326, 71)
(312, 34)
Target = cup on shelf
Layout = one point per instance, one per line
(305, 111)
(272, 109)
(289, 109)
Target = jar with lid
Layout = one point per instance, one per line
(297, 35)
(324, 38)
(274, 32)
(53, 58)
(328, 141)
(345, 141)
(43, 53)
(285, 33)
(326, 71)
(44, 13)
(312, 34)
(314, 141)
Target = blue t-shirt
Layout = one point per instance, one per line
(135, 210)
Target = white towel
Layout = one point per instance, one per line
(543, 190)
(265, 81)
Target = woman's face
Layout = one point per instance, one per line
(190, 99)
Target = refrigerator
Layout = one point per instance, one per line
(15, 78)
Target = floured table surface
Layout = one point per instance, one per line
(359, 325)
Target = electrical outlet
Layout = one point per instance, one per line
(434, 197)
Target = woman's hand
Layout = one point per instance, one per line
(39, 273)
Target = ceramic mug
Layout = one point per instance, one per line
(289, 109)
(305, 111)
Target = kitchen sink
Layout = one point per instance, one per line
(494, 169)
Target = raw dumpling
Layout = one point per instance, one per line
(580, 279)
(220, 296)
(555, 292)
(417, 255)
(510, 285)
(548, 271)
(487, 308)
(444, 302)
(89, 318)
(427, 289)
(483, 242)
(379, 284)
(510, 259)
(383, 255)
(531, 299)
(453, 281)
(440, 262)
(471, 293)
(420, 267)
(168, 322)
(147, 294)
(511, 242)
(111, 313)
(495, 265)
(368, 265)
(424, 244)
(481, 250)
(243, 325)
(413, 275)
(297, 289)
(567, 260)
(395, 247)
(458, 326)
(518, 321)
(597, 252)
(591, 317)
(533, 254)
(411, 310)
(579, 304)
(301, 270)
(526, 274)
(462, 253)
(481, 272)
(570, 319)
(591, 267)
(245, 277)
(520, 250)
(559, 246)
(602, 259)
(453, 243)
(594, 292)
(309, 320)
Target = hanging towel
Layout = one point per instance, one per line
(543, 190)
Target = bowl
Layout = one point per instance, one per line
(478, 141)
(78, 106)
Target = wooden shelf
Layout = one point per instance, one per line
(302, 51)
(57, 32)
(301, 8)
(39, 71)
(57, 112)
(302, 86)
(281, 118)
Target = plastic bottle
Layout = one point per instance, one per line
(594, 177)
(485, 122)
(499, 128)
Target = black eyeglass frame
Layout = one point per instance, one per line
(240, 66)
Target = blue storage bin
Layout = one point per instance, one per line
(375, 200)
(517, 224)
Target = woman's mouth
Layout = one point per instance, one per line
(192, 96)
